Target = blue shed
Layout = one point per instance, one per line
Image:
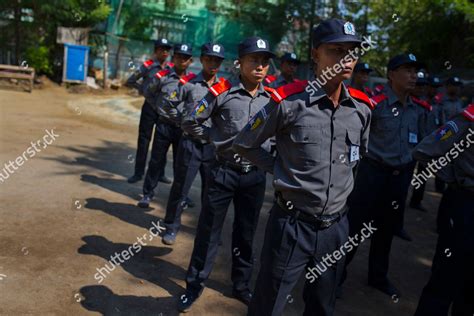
(76, 60)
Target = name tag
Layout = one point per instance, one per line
(354, 153)
(412, 138)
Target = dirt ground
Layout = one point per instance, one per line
(69, 208)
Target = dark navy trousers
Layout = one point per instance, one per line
(452, 273)
(290, 247)
(148, 119)
(166, 135)
(247, 192)
(379, 195)
(193, 157)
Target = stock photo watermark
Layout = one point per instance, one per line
(10, 167)
(437, 164)
(332, 258)
(128, 253)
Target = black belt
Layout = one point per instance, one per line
(393, 170)
(195, 139)
(242, 168)
(321, 221)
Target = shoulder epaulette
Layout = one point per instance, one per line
(378, 88)
(148, 63)
(160, 74)
(469, 112)
(423, 103)
(438, 97)
(362, 97)
(379, 98)
(220, 87)
(185, 79)
(285, 91)
(168, 64)
(270, 78)
(268, 89)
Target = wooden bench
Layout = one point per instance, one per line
(17, 72)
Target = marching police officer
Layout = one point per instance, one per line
(229, 105)
(148, 117)
(421, 92)
(167, 86)
(320, 135)
(194, 154)
(452, 276)
(288, 66)
(384, 175)
(452, 103)
(360, 78)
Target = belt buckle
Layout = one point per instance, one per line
(325, 223)
(246, 168)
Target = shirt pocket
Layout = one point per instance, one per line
(306, 145)
(352, 147)
(233, 120)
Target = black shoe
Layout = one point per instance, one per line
(165, 179)
(388, 288)
(186, 300)
(190, 202)
(134, 178)
(402, 233)
(419, 207)
(144, 202)
(245, 296)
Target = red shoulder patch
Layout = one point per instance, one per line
(185, 79)
(160, 74)
(362, 97)
(285, 91)
(270, 78)
(438, 97)
(268, 89)
(423, 103)
(469, 112)
(220, 87)
(168, 64)
(379, 98)
(379, 88)
(148, 63)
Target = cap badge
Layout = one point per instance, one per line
(261, 44)
(164, 41)
(366, 66)
(421, 75)
(216, 48)
(412, 57)
(184, 48)
(436, 80)
(293, 56)
(349, 28)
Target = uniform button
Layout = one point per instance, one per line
(334, 138)
(305, 138)
(334, 161)
(333, 118)
(331, 185)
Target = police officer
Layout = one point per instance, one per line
(421, 92)
(229, 105)
(452, 274)
(384, 175)
(167, 86)
(360, 78)
(148, 117)
(194, 154)
(320, 134)
(288, 66)
(452, 103)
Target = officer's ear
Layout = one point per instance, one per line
(315, 54)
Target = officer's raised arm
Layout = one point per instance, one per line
(446, 139)
(264, 125)
(192, 123)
